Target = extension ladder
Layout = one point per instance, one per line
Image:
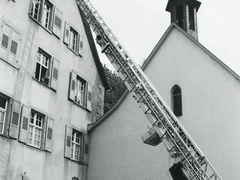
(177, 141)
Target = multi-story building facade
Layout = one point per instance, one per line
(51, 86)
(202, 92)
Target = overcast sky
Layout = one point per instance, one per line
(139, 25)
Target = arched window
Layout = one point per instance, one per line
(177, 100)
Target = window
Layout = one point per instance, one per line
(3, 110)
(80, 92)
(177, 100)
(46, 70)
(180, 19)
(36, 129)
(42, 67)
(76, 145)
(41, 11)
(9, 44)
(191, 18)
(47, 15)
(9, 116)
(73, 39)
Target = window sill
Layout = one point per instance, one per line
(73, 51)
(79, 105)
(76, 161)
(34, 147)
(5, 136)
(10, 64)
(42, 83)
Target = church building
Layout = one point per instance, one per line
(200, 89)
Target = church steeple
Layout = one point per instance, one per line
(184, 14)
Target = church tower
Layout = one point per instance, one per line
(184, 14)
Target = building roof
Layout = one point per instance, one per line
(172, 3)
(94, 51)
(91, 127)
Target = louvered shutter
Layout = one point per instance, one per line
(14, 42)
(15, 116)
(72, 86)
(57, 22)
(80, 44)
(66, 33)
(68, 139)
(25, 118)
(89, 98)
(49, 134)
(100, 103)
(13, 47)
(54, 75)
(85, 148)
(5, 41)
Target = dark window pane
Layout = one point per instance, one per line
(3, 102)
(49, 134)
(5, 39)
(177, 101)
(15, 118)
(58, 22)
(14, 47)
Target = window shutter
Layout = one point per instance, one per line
(100, 102)
(68, 139)
(57, 22)
(15, 115)
(24, 123)
(54, 75)
(72, 86)
(89, 98)
(14, 43)
(13, 47)
(80, 44)
(49, 134)
(85, 148)
(5, 41)
(66, 33)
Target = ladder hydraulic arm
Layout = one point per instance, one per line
(179, 144)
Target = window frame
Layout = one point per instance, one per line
(11, 120)
(41, 16)
(83, 144)
(78, 46)
(32, 136)
(4, 111)
(46, 138)
(51, 74)
(76, 135)
(177, 108)
(43, 61)
(54, 16)
(81, 98)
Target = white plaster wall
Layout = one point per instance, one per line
(211, 103)
(36, 163)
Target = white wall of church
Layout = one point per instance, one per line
(211, 102)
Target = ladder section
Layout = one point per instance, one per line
(177, 141)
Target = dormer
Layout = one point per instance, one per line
(184, 14)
